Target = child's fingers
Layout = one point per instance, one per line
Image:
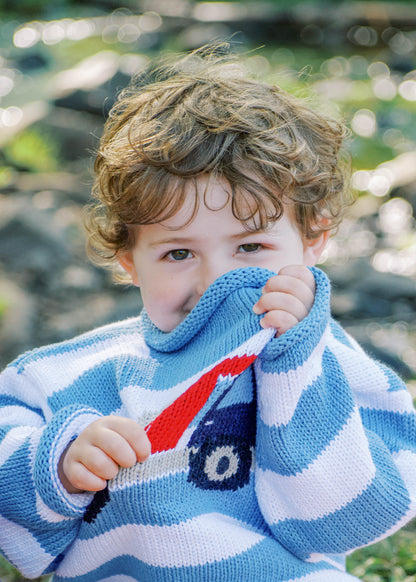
(114, 446)
(97, 461)
(120, 438)
(300, 272)
(98, 452)
(302, 286)
(80, 479)
(288, 294)
(134, 435)
(85, 466)
(291, 286)
(282, 321)
(286, 298)
(282, 302)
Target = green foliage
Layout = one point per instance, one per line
(391, 560)
(4, 304)
(6, 177)
(7, 570)
(9, 574)
(36, 4)
(33, 151)
(367, 153)
(31, 7)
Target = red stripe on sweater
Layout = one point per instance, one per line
(166, 429)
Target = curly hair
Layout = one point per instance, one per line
(202, 114)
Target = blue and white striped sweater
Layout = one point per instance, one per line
(265, 468)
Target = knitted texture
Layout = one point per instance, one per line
(271, 457)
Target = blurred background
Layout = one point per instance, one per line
(61, 65)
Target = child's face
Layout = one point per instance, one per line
(173, 262)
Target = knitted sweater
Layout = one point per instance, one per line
(271, 457)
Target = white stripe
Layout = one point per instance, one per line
(13, 440)
(185, 438)
(340, 473)
(362, 373)
(368, 381)
(143, 404)
(198, 541)
(20, 415)
(399, 401)
(285, 388)
(22, 549)
(47, 514)
(15, 384)
(62, 369)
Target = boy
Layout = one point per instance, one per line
(233, 430)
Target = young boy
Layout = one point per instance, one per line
(233, 430)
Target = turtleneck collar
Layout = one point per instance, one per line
(232, 287)
(234, 294)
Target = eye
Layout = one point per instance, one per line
(179, 255)
(250, 247)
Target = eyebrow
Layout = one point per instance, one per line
(248, 233)
(171, 241)
(181, 241)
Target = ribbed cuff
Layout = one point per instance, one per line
(66, 425)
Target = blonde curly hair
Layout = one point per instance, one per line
(200, 114)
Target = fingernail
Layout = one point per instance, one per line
(256, 309)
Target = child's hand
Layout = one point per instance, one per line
(287, 298)
(98, 452)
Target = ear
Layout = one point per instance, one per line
(126, 262)
(314, 247)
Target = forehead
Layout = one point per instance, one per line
(214, 193)
(207, 205)
(205, 192)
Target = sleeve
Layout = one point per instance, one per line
(336, 440)
(38, 518)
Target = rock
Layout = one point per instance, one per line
(73, 185)
(388, 286)
(97, 101)
(86, 75)
(31, 243)
(32, 61)
(78, 132)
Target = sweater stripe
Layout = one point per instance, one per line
(312, 482)
(16, 541)
(213, 537)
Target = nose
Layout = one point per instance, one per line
(209, 272)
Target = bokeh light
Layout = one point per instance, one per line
(407, 90)
(364, 123)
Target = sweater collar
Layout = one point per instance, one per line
(231, 288)
(230, 298)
